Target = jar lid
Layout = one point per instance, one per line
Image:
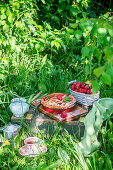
(12, 127)
(18, 99)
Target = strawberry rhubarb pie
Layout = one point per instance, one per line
(58, 103)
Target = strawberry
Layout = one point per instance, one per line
(84, 90)
(86, 87)
(82, 85)
(63, 114)
(73, 87)
(80, 90)
(77, 85)
(76, 90)
(59, 97)
(88, 92)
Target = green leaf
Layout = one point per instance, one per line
(44, 60)
(95, 86)
(2, 22)
(84, 14)
(39, 46)
(2, 9)
(1, 76)
(71, 31)
(98, 71)
(102, 31)
(110, 134)
(83, 27)
(94, 31)
(109, 70)
(87, 39)
(66, 99)
(110, 32)
(106, 78)
(8, 12)
(43, 1)
(98, 54)
(73, 25)
(15, 5)
(52, 43)
(57, 44)
(63, 155)
(111, 125)
(74, 11)
(19, 24)
(108, 53)
(3, 16)
(12, 40)
(6, 28)
(54, 165)
(85, 51)
(48, 97)
(77, 20)
(78, 34)
(10, 18)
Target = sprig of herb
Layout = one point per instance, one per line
(66, 99)
(48, 97)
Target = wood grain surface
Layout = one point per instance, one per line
(74, 114)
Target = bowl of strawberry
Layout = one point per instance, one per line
(83, 92)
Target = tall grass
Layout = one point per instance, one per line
(61, 153)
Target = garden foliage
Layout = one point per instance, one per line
(43, 45)
(40, 41)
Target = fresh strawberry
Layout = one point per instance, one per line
(80, 90)
(88, 92)
(59, 97)
(73, 87)
(77, 85)
(84, 90)
(86, 87)
(82, 85)
(63, 114)
(76, 90)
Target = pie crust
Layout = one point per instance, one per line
(51, 101)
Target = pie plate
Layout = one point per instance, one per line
(56, 102)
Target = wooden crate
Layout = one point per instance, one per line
(28, 117)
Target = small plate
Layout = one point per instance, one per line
(32, 150)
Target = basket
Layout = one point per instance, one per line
(82, 98)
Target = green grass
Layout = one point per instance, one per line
(61, 153)
(63, 143)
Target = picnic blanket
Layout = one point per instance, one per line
(101, 110)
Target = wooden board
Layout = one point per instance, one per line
(74, 114)
(27, 118)
(36, 103)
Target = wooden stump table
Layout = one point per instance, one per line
(49, 125)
